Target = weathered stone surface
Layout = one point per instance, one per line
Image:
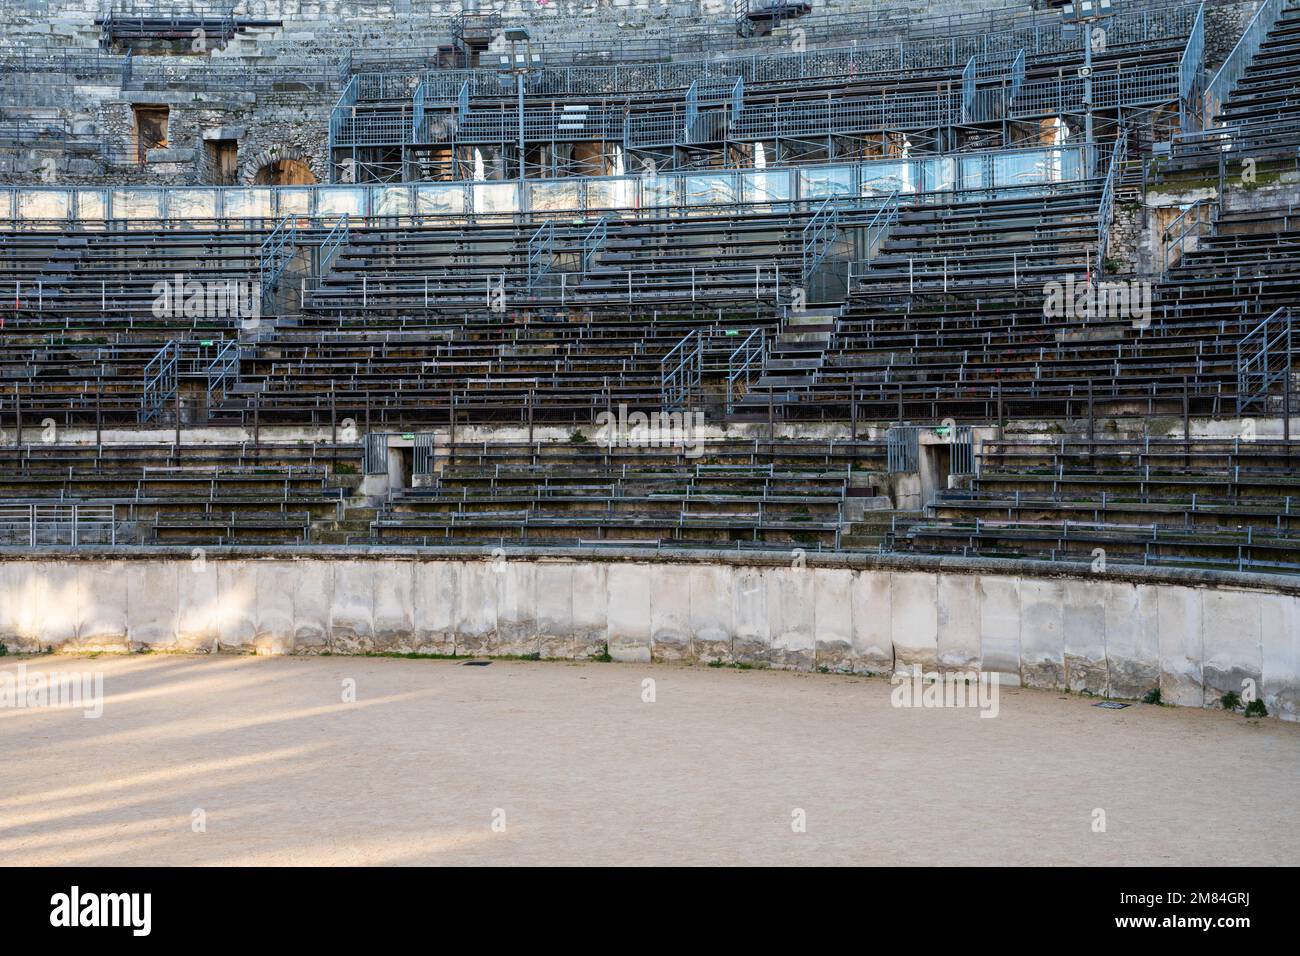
(712, 621)
(833, 620)
(275, 607)
(914, 619)
(1280, 646)
(873, 642)
(516, 609)
(670, 612)
(237, 605)
(1132, 642)
(151, 605)
(629, 613)
(476, 608)
(1000, 627)
(1083, 620)
(1233, 650)
(1181, 646)
(957, 618)
(752, 641)
(1042, 633)
(435, 594)
(100, 605)
(791, 607)
(312, 583)
(352, 608)
(393, 602)
(1102, 633)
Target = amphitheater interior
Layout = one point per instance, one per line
(960, 331)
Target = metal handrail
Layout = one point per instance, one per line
(1234, 67)
(1264, 358)
(1106, 208)
(1189, 73)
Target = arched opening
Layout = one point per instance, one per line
(285, 172)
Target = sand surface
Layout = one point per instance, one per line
(581, 770)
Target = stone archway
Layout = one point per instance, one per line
(277, 165)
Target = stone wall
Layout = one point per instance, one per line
(1194, 635)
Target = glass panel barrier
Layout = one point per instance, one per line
(710, 190)
(659, 191)
(333, 203)
(440, 200)
(37, 206)
(616, 194)
(91, 208)
(296, 201)
(766, 187)
(555, 197)
(248, 204)
(825, 181)
(496, 199)
(883, 178)
(395, 201)
(141, 208)
(192, 207)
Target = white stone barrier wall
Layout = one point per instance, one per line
(1193, 635)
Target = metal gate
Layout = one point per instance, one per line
(904, 445)
(423, 461)
(962, 460)
(376, 454)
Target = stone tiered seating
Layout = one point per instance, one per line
(1267, 95)
(720, 494)
(196, 494)
(1205, 502)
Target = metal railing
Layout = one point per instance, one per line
(1134, 27)
(1190, 103)
(1184, 233)
(1234, 67)
(681, 371)
(744, 366)
(37, 525)
(818, 237)
(1264, 361)
(873, 235)
(223, 371)
(161, 379)
(541, 253)
(990, 84)
(1106, 208)
(594, 242)
(335, 240)
(276, 252)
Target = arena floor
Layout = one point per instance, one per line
(714, 770)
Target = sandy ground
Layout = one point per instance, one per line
(581, 770)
